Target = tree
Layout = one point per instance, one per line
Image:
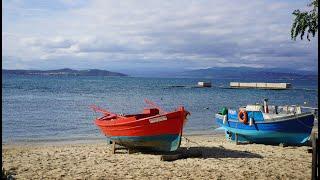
(305, 21)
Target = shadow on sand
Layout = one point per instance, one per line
(203, 153)
(218, 152)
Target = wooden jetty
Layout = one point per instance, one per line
(260, 85)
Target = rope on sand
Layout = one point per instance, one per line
(189, 141)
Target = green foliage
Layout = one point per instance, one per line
(305, 21)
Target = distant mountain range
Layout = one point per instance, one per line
(66, 71)
(210, 73)
(248, 73)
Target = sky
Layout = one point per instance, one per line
(148, 35)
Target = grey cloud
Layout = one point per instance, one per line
(201, 33)
(47, 43)
(103, 45)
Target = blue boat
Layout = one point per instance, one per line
(267, 124)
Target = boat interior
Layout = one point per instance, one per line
(147, 112)
(275, 111)
(259, 113)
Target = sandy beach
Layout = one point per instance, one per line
(220, 159)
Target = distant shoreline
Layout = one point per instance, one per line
(239, 73)
(64, 72)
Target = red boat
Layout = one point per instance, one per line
(153, 129)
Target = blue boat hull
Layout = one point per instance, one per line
(164, 143)
(292, 131)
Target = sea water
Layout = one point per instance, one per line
(39, 108)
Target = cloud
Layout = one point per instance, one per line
(199, 33)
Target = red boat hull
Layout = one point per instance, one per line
(148, 130)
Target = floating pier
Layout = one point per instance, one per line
(260, 85)
(204, 84)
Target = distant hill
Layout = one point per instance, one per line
(248, 73)
(66, 71)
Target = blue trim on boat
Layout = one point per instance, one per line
(290, 131)
(269, 137)
(156, 143)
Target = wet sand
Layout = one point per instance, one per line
(220, 159)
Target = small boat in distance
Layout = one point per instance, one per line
(267, 124)
(153, 129)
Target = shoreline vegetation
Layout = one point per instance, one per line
(220, 159)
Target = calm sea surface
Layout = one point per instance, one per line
(56, 108)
